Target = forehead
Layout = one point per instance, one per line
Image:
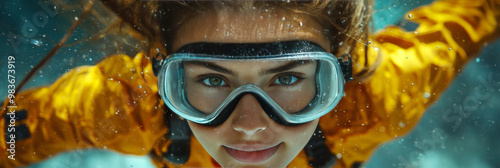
(251, 26)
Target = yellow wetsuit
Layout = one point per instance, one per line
(115, 104)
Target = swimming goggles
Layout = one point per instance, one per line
(293, 81)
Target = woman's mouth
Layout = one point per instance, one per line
(251, 153)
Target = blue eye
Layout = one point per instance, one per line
(214, 81)
(285, 79)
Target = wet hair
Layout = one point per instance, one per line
(346, 23)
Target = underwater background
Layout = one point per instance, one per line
(460, 130)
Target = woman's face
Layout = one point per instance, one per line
(249, 137)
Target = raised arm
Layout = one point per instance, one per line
(414, 67)
(112, 105)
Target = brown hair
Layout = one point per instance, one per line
(349, 19)
(346, 22)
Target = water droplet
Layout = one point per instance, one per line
(140, 86)
(409, 15)
(401, 124)
(76, 18)
(478, 59)
(36, 42)
(339, 155)
(283, 19)
(369, 42)
(449, 48)
(427, 95)
(300, 23)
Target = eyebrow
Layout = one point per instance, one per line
(212, 66)
(285, 67)
(281, 68)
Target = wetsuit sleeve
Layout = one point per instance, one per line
(413, 68)
(112, 105)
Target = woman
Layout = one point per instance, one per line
(117, 107)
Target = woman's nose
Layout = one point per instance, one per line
(249, 117)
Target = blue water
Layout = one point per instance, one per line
(460, 130)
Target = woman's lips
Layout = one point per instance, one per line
(251, 153)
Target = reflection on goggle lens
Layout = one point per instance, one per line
(291, 84)
(294, 81)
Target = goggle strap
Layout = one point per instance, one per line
(179, 132)
(158, 63)
(346, 66)
(318, 154)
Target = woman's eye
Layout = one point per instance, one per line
(285, 79)
(214, 81)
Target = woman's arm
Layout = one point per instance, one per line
(112, 105)
(414, 67)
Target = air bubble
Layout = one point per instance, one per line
(401, 124)
(36, 42)
(427, 95)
